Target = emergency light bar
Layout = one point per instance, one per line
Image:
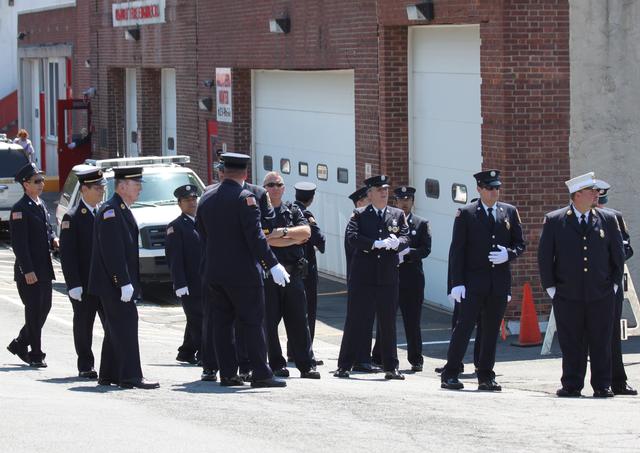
(139, 161)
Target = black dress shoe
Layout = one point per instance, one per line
(568, 393)
(341, 373)
(416, 368)
(38, 363)
(187, 358)
(318, 362)
(375, 363)
(267, 383)
(311, 374)
(395, 374)
(89, 374)
(208, 375)
(451, 384)
(626, 389)
(233, 381)
(106, 381)
(603, 393)
(246, 377)
(281, 372)
(139, 384)
(365, 368)
(440, 369)
(15, 349)
(490, 385)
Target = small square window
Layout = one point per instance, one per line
(459, 193)
(432, 188)
(322, 171)
(267, 163)
(303, 168)
(343, 175)
(285, 166)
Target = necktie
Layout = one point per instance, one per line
(583, 223)
(380, 218)
(492, 220)
(95, 211)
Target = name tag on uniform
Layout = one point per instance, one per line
(507, 224)
(109, 214)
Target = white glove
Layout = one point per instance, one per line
(402, 254)
(126, 293)
(499, 257)
(184, 291)
(76, 293)
(380, 244)
(71, 145)
(551, 291)
(458, 293)
(393, 242)
(279, 274)
(615, 288)
(508, 298)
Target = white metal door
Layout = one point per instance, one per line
(444, 133)
(169, 128)
(34, 107)
(306, 121)
(131, 99)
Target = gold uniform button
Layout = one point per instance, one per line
(585, 258)
(584, 237)
(585, 247)
(586, 270)
(493, 265)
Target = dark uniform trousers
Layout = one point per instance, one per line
(311, 293)
(288, 303)
(114, 263)
(31, 239)
(84, 316)
(488, 285)
(476, 344)
(373, 282)
(582, 262)
(235, 255)
(192, 341)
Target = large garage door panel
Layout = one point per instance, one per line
(446, 50)
(447, 96)
(436, 137)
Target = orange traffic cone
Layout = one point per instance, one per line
(529, 328)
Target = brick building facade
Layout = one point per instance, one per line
(524, 95)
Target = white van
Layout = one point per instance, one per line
(155, 208)
(12, 159)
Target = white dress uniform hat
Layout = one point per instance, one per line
(588, 180)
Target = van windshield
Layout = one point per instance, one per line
(11, 160)
(157, 188)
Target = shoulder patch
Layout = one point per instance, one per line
(109, 214)
(169, 230)
(312, 220)
(65, 225)
(16, 215)
(84, 210)
(251, 201)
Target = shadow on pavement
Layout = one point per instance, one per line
(19, 367)
(67, 380)
(208, 387)
(96, 389)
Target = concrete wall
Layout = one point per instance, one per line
(605, 100)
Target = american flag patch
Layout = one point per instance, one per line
(169, 230)
(16, 215)
(64, 225)
(108, 214)
(251, 201)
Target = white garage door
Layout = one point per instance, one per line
(444, 134)
(304, 127)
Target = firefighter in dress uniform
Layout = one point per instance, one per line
(76, 247)
(32, 240)
(581, 262)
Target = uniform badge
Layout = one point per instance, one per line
(570, 212)
(395, 229)
(601, 233)
(16, 215)
(413, 232)
(507, 224)
(169, 230)
(109, 214)
(83, 210)
(64, 225)
(250, 201)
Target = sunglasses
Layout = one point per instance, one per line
(274, 184)
(38, 181)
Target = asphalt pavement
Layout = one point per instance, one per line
(53, 410)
